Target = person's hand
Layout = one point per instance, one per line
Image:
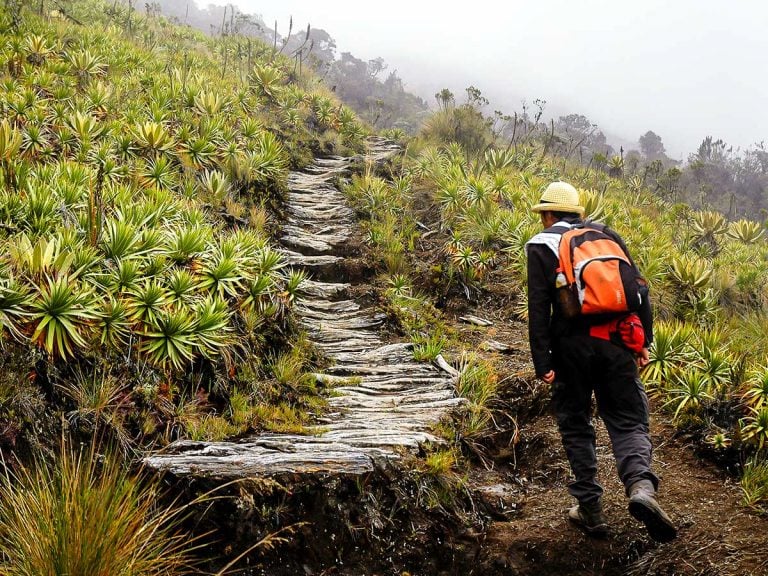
(643, 358)
(549, 377)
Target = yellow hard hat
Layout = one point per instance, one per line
(560, 197)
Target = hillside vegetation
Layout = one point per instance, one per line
(142, 166)
(707, 275)
(378, 98)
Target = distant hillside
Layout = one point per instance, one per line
(379, 98)
(210, 19)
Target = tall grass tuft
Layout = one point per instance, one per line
(85, 514)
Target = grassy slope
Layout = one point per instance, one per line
(142, 166)
(453, 231)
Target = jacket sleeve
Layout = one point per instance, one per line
(541, 271)
(646, 312)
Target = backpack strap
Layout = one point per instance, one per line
(594, 225)
(551, 237)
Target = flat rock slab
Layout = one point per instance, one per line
(384, 402)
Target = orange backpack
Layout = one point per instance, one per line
(595, 275)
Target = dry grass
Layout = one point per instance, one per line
(86, 514)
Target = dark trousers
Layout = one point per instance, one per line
(584, 365)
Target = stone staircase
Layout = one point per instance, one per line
(384, 401)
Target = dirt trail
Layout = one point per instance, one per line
(717, 535)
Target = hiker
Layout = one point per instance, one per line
(581, 353)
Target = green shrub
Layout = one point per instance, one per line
(754, 484)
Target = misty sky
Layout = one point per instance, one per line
(684, 68)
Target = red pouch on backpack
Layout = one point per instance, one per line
(626, 331)
(631, 333)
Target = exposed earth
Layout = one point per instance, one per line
(717, 535)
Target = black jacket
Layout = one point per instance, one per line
(545, 321)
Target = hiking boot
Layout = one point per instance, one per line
(590, 519)
(643, 506)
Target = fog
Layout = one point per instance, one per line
(684, 69)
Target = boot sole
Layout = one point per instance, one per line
(659, 528)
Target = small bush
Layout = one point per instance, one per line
(754, 484)
(478, 380)
(440, 463)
